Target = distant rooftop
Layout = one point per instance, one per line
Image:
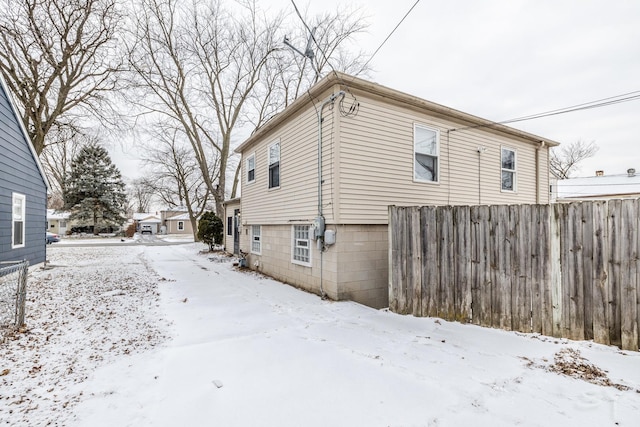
(601, 186)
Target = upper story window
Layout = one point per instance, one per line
(256, 242)
(508, 169)
(274, 165)
(426, 154)
(251, 168)
(18, 216)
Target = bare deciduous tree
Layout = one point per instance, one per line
(211, 70)
(141, 193)
(176, 178)
(197, 67)
(58, 58)
(564, 159)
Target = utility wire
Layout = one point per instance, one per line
(625, 97)
(355, 105)
(389, 36)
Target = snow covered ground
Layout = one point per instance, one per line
(168, 336)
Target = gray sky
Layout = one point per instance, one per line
(503, 59)
(507, 59)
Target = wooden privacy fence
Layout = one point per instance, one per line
(565, 270)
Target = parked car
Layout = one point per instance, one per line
(52, 237)
(145, 229)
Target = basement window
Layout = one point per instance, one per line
(301, 253)
(256, 242)
(508, 169)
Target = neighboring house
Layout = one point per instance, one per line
(58, 221)
(379, 147)
(147, 219)
(176, 221)
(23, 189)
(599, 187)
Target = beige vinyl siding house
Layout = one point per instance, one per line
(370, 160)
(231, 223)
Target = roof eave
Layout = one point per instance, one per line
(355, 83)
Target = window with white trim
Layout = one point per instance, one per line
(256, 236)
(508, 169)
(229, 226)
(18, 219)
(426, 154)
(251, 168)
(180, 225)
(274, 165)
(301, 253)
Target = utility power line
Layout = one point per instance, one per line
(389, 36)
(625, 97)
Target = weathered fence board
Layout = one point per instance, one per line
(568, 270)
(430, 275)
(414, 270)
(587, 271)
(600, 287)
(462, 263)
(480, 273)
(628, 288)
(614, 272)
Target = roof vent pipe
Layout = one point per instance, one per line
(599, 173)
(631, 172)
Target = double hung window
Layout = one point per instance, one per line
(251, 168)
(508, 169)
(426, 154)
(274, 165)
(18, 213)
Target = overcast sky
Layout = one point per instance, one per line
(503, 59)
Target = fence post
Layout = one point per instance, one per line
(21, 293)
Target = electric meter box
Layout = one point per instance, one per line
(330, 237)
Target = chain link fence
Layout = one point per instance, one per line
(13, 293)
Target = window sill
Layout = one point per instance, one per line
(418, 181)
(300, 263)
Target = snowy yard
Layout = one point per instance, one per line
(167, 336)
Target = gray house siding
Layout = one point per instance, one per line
(20, 173)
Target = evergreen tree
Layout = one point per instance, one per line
(95, 193)
(210, 229)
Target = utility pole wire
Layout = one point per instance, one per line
(389, 36)
(625, 97)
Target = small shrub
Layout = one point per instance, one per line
(210, 229)
(130, 231)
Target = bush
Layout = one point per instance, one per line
(210, 229)
(131, 230)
